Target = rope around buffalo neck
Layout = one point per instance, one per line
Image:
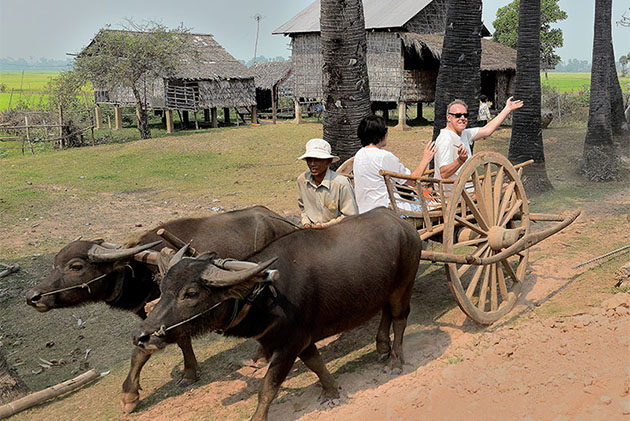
(163, 329)
(83, 285)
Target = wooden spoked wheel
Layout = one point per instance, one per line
(487, 212)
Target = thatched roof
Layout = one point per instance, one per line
(267, 74)
(494, 56)
(211, 62)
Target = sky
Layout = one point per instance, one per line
(47, 28)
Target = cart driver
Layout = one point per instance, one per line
(324, 196)
(454, 141)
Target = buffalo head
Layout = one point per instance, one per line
(197, 296)
(83, 271)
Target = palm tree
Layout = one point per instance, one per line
(618, 118)
(527, 142)
(344, 74)
(459, 75)
(599, 161)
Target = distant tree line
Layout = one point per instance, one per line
(9, 64)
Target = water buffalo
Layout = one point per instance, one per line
(85, 271)
(327, 281)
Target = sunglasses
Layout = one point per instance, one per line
(459, 115)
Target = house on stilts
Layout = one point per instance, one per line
(207, 79)
(404, 44)
(274, 82)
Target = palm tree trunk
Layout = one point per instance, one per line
(618, 118)
(459, 76)
(11, 385)
(345, 83)
(599, 161)
(526, 142)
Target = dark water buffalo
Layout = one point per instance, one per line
(113, 276)
(326, 281)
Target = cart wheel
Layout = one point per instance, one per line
(495, 214)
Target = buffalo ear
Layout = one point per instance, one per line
(207, 256)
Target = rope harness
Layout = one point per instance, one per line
(235, 318)
(83, 285)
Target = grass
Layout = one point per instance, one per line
(576, 82)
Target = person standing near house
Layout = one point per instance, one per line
(370, 187)
(324, 196)
(453, 144)
(484, 111)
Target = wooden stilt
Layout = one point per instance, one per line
(117, 118)
(170, 128)
(98, 118)
(402, 117)
(213, 112)
(298, 112)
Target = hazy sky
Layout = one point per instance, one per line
(49, 28)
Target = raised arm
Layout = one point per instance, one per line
(488, 129)
(427, 156)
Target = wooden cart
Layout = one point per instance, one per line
(483, 221)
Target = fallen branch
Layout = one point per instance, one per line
(603, 256)
(36, 398)
(9, 269)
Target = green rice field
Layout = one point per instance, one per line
(576, 82)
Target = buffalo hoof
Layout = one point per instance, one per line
(383, 357)
(129, 401)
(184, 382)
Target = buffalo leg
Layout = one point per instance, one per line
(400, 312)
(313, 360)
(383, 344)
(279, 367)
(191, 368)
(130, 396)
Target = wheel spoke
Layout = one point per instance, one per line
(472, 242)
(493, 287)
(464, 268)
(479, 196)
(511, 213)
(502, 285)
(487, 193)
(507, 196)
(498, 185)
(481, 305)
(509, 270)
(475, 279)
(470, 225)
(475, 211)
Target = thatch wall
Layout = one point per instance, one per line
(419, 86)
(307, 66)
(430, 20)
(227, 93)
(123, 96)
(384, 62)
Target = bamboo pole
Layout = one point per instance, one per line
(28, 136)
(10, 98)
(36, 398)
(274, 112)
(60, 126)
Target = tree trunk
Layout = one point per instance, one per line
(142, 116)
(11, 385)
(345, 83)
(459, 76)
(599, 161)
(618, 118)
(526, 142)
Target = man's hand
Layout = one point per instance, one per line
(305, 226)
(462, 153)
(512, 105)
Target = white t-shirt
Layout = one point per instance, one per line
(446, 148)
(369, 186)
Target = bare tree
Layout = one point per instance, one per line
(345, 83)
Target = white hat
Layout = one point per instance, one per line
(319, 149)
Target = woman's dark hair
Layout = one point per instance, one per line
(483, 98)
(372, 129)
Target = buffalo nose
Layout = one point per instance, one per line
(32, 297)
(140, 338)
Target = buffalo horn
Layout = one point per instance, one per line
(101, 254)
(178, 256)
(224, 278)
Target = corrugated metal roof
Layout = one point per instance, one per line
(379, 14)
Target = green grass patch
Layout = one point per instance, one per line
(575, 82)
(29, 82)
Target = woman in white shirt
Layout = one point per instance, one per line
(369, 186)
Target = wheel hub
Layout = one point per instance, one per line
(500, 238)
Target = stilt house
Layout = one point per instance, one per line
(404, 43)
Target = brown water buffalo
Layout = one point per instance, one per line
(85, 272)
(326, 281)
